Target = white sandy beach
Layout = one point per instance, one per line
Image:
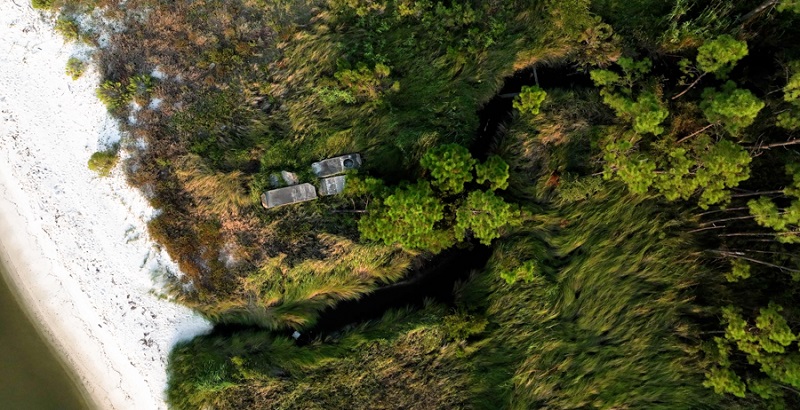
(76, 244)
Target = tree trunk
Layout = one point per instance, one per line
(757, 193)
(758, 234)
(779, 144)
(727, 219)
(694, 83)
(760, 262)
(752, 15)
(741, 208)
(696, 132)
(707, 229)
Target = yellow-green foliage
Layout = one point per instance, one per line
(113, 94)
(599, 329)
(529, 100)
(282, 293)
(216, 193)
(103, 161)
(68, 28)
(75, 68)
(406, 361)
(42, 4)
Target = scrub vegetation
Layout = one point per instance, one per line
(640, 193)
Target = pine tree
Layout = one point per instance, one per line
(733, 107)
(450, 166)
(484, 214)
(408, 217)
(494, 172)
(529, 100)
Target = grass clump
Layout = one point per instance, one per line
(42, 4)
(68, 28)
(75, 68)
(114, 95)
(406, 360)
(102, 162)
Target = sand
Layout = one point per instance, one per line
(77, 244)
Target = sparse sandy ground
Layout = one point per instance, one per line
(76, 244)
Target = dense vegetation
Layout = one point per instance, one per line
(640, 192)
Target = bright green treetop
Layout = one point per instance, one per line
(769, 343)
(450, 166)
(646, 112)
(790, 119)
(494, 172)
(734, 108)
(719, 55)
(677, 179)
(416, 217)
(408, 217)
(786, 221)
(791, 91)
(789, 5)
(484, 214)
(722, 166)
(529, 100)
(739, 270)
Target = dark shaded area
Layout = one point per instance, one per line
(499, 110)
(435, 281)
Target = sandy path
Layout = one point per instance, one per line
(77, 244)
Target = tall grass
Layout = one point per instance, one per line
(284, 294)
(406, 360)
(606, 327)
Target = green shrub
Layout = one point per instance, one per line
(75, 68)
(42, 4)
(140, 87)
(103, 161)
(530, 100)
(113, 94)
(68, 28)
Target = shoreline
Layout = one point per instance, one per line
(75, 245)
(25, 299)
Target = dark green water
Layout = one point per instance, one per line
(31, 376)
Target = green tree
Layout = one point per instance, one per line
(494, 172)
(734, 108)
(484, 214)
(786, 221)
(724, 380)
(529, 100)
(790, 119)
(645, 112)
(767, 342)
(450, 166)
(722, 166)
(719, 55)
(739, 270)
(408, 217)
(677, 180)
(789, 5)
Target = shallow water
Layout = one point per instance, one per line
(31, 376)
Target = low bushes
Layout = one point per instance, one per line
(103, 161)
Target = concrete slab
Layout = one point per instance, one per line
(336, 165)
(331, 186)
(288, 195)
